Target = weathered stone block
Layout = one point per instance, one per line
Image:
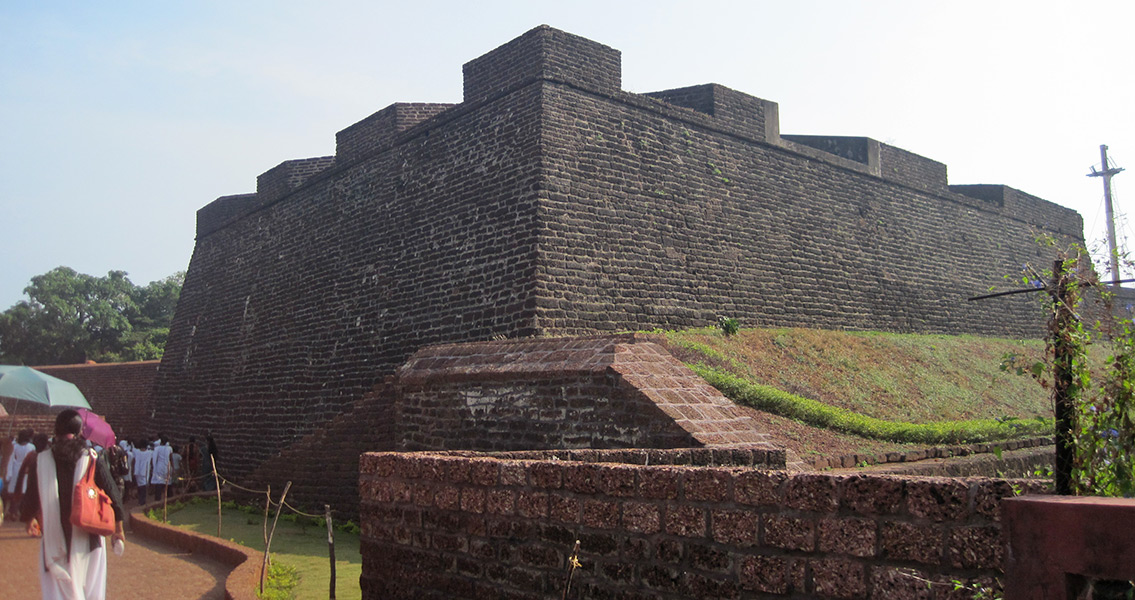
(789, 533)
(839, 578)
(685, 521)
(904, 541)
(856, 537)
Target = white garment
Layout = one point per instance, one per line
(142, 466)
(160, 473)
(81, 573)
(19, 453)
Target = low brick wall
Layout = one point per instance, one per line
(37, 423)
(439, 525)
(123, 393)
(244, 579)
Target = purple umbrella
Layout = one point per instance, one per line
(96, 429)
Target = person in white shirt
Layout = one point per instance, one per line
(142, 457)
(20, 450)
(161, 472)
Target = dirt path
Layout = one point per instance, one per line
(147, 571)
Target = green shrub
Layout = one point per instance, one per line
(728, 325)
(281, 582)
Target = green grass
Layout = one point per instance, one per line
(297, 545)
(819, 414)
(891, 377)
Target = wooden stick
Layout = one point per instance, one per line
(217, 481)
(573, 564)
(330, 547)
(267, 507)
(165, 494)
(268, 546)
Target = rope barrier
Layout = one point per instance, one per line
(239, 487)
(301, 513)
(272, 503)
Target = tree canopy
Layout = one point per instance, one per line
(72, 317)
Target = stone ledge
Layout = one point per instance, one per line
(847, 461)
(244, 578)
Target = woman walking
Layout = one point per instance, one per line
(72, 561)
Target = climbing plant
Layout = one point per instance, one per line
(1094, 400)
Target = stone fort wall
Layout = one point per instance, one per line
(551, 202)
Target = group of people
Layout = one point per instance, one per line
(150, 467)
(38, 477)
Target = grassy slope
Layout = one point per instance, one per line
(900, 377)
(896, 377)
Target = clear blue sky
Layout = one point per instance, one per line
(118, 120)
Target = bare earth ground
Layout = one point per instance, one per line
(146, 571)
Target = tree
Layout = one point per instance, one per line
(71, 317)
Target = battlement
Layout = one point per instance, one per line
(379, 130)
(733, 111)
(543, 53)
(222, 211)
(1008, 200)
(277, 182)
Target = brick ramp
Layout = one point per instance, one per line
(613, 391)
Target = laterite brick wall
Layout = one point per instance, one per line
(439, 525)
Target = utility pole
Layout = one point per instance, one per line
(1107, 174)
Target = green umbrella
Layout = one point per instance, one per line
(24, 383)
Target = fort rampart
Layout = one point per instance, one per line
(552, 202)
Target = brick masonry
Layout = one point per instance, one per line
(439, 525)
(551, 202)
(121, 392)
(555, 394)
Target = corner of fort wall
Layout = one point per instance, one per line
(552, 202)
